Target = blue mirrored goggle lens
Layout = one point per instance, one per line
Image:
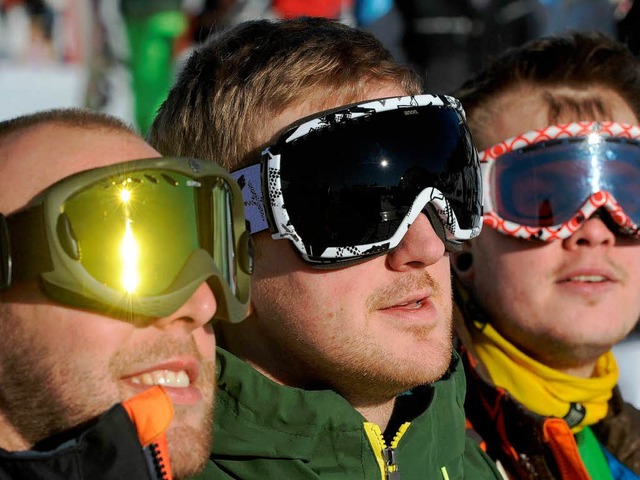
(545, 184)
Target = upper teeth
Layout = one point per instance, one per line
(416, 304)
(168, 378)
(587, 278)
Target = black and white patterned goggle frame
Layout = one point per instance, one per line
(253, 179)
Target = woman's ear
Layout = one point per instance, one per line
(462, 264)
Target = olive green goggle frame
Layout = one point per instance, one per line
(32, 247)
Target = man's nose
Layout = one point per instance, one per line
(195, 312)
(593, 233)
(420, 247)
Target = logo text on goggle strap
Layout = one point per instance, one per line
(194, 165)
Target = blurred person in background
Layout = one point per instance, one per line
(449, 41)
(561, 16)
(552, 282)
(628, 26)
(213, 17)
(27, 31)
(109, 280)
(382, 19)
(344, 366)
(153, 27)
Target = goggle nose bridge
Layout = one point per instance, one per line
(612, 214)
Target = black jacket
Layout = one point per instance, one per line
(108, 448)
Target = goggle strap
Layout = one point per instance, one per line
(28, 253)
(250, 182)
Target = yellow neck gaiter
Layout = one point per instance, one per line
(541, 389)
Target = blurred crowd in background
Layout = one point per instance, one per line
(125, 52)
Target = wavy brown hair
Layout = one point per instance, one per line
(577, 60)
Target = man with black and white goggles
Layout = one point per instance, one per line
(345, 185)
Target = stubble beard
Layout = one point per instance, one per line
(190, 445)
(434, 356)
(40, 398)
(29, 400)
(360, 368)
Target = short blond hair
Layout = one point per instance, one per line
(234, 84)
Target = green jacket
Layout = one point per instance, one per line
(264, 430)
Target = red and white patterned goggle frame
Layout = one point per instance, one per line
(598, 200)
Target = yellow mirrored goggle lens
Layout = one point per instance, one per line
(135, 233)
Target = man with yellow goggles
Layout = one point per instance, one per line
(111, 270)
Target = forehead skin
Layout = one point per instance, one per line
(33, 159)
(533, 112)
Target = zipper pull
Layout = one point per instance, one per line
(391, 463)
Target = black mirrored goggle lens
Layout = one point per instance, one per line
(546, 184)
(352, 183)
(135, 233)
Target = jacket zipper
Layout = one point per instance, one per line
(385, 455)
(159, 469)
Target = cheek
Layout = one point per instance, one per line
(631, 259)
(440, 273)
(296, 291)
(310, 303)
(508, 277)
(67, 333)
(282, 280)
(627, 258)
(205, 341)
(441, 270)
(101, 334)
